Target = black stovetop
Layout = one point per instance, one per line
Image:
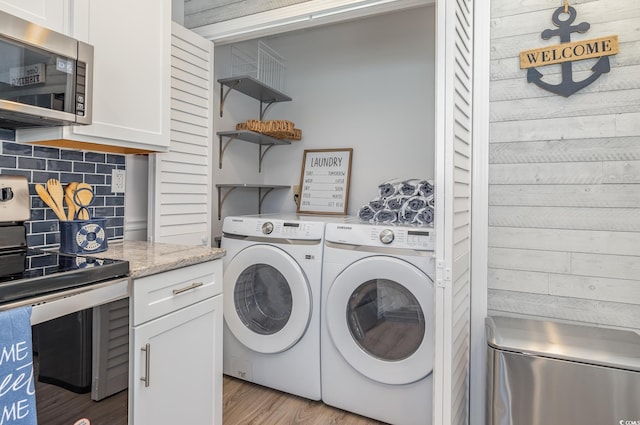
(28, 273)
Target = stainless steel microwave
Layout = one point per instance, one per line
(45, 77)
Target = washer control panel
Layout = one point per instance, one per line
(381, 235)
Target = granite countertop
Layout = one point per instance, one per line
(147, 258)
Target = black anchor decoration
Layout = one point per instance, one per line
(567, 87)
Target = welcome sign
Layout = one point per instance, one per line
(567, 52)
(587, 49)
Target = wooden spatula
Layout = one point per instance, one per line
(57, 194)
(69, 191)
(44, 195)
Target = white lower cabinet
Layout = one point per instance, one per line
(176, 347)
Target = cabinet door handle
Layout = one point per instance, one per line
(187, 288)
(147, 362)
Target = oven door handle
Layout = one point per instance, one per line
(58, 304)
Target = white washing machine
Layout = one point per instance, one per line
(272, 289)
(377, 332)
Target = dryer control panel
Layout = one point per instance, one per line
(273, 228)
(381, 235)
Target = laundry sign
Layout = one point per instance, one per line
(324, 181)
(568, 52)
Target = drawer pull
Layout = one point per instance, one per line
(147, 361)
(187, 288)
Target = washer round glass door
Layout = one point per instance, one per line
(379, 313)
(267, 302)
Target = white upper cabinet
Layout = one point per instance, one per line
(131, 86)
(52, 14)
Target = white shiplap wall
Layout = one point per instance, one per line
(564, 173)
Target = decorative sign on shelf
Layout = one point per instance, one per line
(324, 181)
(567, 52)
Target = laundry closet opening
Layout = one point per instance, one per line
(366, 84)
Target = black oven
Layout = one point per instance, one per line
(79, 319)
(79, 333)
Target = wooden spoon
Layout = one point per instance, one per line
(44, 195)
(57, 194)
(69, 191)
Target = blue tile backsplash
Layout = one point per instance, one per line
(40, 163)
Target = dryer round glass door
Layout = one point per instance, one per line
(267, 303)
(379, 314)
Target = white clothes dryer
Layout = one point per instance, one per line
(377, 332)
(272, 289)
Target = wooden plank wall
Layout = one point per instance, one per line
(198, 13)
(564, 173)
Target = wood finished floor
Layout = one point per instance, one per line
(245, 403)
(57, 406)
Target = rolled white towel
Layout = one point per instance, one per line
(408, 188)
(366, 213)
(416, 203)
(385, 216)
(424, 216)
(425, 188)
(406, 216)
(395, 203)
(431, 201)
(387, 190)
(377, 204)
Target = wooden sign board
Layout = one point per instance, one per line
(324, 181)
(578, 50)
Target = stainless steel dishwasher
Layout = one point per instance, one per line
(544, 373)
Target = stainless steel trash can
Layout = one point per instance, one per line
(550, 373)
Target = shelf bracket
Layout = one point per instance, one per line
(263, 110)
(223, 148)
(223, 95)
(261, 196)
(262, 153)
(263, 191)
(222, 198)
